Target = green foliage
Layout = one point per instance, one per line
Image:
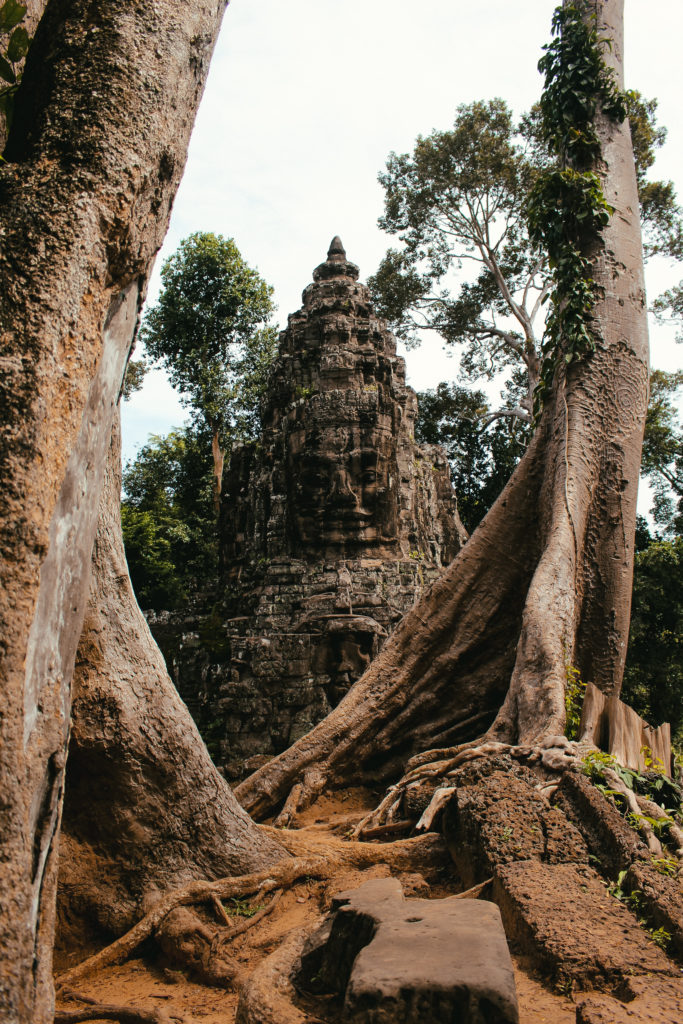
(654, 785)
(576, 81)
(481, 458)
(662, 461)
(566, 207)
(669, 306)
(665, 866)
(209, 330)
(134, 378)
(459, 198)
(659, 826)
(567, 211)
(633, 899)
(14, 45)
(574, 692)
(653, 678)
(661, 937)
(167, 518)
(240, 907)
(659, 210)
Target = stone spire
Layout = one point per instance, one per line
(336, 264)
(344, 474)
(331, 526)
(336, 251)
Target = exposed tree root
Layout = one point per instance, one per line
(473, 893)
(415, 854)
(403, 855)
(555, 754)
(653, 810)
(196, 892)
(192, 944)
(268, 995)
(385, 831)
(106, 1011)
(244, 926)
(644, 827)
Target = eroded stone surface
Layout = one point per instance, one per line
(408, 961)
(562, 915)
(331, 527)
(610, 839)
(644, 1001)
(496, 818)
(660, 898)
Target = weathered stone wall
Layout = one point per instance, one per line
(331, 526)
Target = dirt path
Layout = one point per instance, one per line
(150, 982)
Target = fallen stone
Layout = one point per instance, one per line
(613, 843)
(643, 1001)
(501, 818)
(562, 915)
(660, 898)
(404, 961)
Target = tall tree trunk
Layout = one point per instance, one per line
(545, 581)
(98, 144)
(218, 460)
(144, 807)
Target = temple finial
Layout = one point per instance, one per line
(336, 252)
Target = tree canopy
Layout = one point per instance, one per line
(169, 526)
(653, 678)
(481, 455)
(662, 461)
(210, 331)
(467, 267)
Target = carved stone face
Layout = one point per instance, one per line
(343, 484)
(344, 650)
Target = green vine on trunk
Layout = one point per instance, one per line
(14, 44)
(567, 209)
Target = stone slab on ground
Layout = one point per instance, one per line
(562, 915)
(408, 961)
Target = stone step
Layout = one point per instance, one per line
(413, 960)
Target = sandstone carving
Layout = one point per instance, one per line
(331, 527)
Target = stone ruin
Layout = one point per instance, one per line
(331, 526)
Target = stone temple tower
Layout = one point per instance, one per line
(331, 526)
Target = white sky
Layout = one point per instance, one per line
(305, 100)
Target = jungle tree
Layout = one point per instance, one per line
(209, 329)
(546, 578)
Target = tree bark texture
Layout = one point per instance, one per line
(98, 144)
(545, 581)
(145, 810)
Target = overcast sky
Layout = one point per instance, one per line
(305, 100)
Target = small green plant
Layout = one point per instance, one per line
(302, 392)
(574, 692)
(660, 826)
(594, 764)
(564, 985)
(14, 44)
(665, 865)
(507, 834)
(661, 937)
(652, 763)
(240, 908)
